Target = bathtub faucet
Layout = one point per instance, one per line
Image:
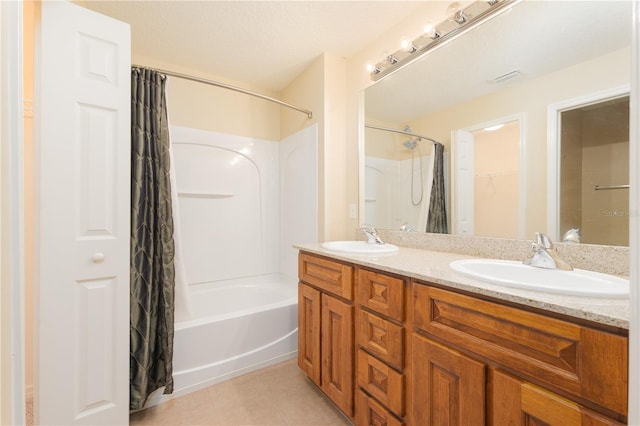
(372, 235)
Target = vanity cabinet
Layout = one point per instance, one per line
(325, 327)
(461, 342)
(381, 348)
(391, 351)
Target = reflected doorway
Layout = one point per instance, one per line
(487, 177)
(594, 171)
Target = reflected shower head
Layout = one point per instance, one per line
(410, 144)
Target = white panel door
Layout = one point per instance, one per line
(83, 181)
(463, 182)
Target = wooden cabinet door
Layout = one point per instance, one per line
(512, 401)
(337, 352)
(309, 310)
(448, 388)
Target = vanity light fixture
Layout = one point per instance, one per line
(460, 20)
(460, 17)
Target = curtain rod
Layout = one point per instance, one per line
(386, 129)
(227, 86)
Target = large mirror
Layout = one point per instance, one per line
(506, 100)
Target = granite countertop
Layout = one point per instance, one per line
(433, 266)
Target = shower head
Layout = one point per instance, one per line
(410, 144)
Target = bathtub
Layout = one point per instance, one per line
(239, 326)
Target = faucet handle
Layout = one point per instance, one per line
(572, 236)
(543, 240)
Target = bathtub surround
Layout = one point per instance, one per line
(152, 245)
(242, 203)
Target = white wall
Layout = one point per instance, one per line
(298, 195)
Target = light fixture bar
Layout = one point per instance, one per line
(475, 14)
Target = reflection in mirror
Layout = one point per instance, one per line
(404, 181)
(594, 171)
(548, 53)
(486, 185)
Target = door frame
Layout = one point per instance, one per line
(554, 147)
(12, 390)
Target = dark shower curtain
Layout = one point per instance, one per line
(152, 245)
(437, 218)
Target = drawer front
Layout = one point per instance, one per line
(332, 277)
(381, 381)
(585, 362)
(381, 293)
(514, 400)
(382, 338)
(371, 413)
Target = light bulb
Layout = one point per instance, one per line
(430, 30)
(371, 68)
(452, 9)
(408, 45)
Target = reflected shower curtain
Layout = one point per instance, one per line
(152, 246)
(437, 217)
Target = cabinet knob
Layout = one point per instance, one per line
(97, 257)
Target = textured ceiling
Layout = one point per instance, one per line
(264, 43)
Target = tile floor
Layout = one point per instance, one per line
(278, 395)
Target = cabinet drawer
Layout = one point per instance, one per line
(381, 293)
(382, 338)
(381, 382)
(373, 414)
(332, 277)
(582, 361)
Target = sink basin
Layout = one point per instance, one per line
(509, 273)
(359, 247)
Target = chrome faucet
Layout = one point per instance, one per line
(545, 256)
(372, 235)
(407, 228)
(572, 236)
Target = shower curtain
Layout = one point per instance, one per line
(152, 245)
(437, 217)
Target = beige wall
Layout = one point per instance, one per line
(496, 182)
(335, 165)
(321, 88)
(307, 90)
(205, 107)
